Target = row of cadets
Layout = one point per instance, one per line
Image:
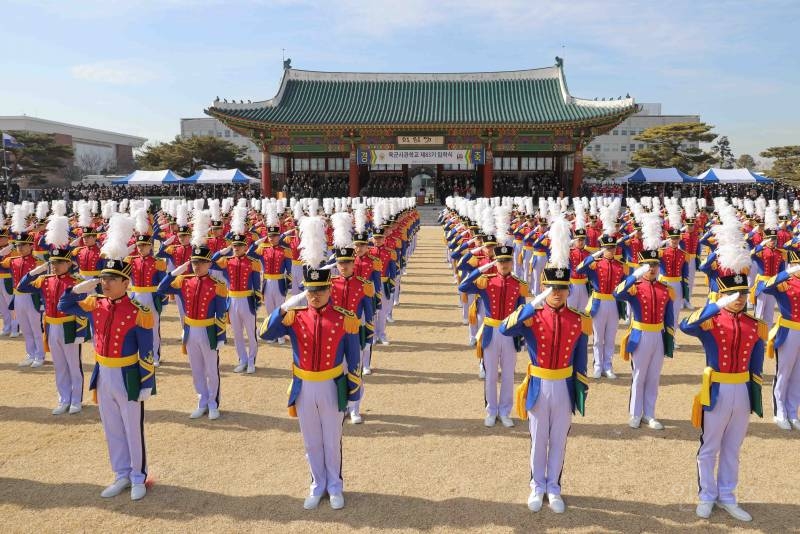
(733, 342)
(325, 365)
(368, 267)
(290, 239)
(522, 224)
(177, 248)
(86, 249)
(690, 243)
(147, 271)
(388, 258)
(769, 260)
(242, 270)
(541, 242)
(216, 240)
(555, 384)
(204, 300)
(63, 334)
(527, 262)
(27, 307)
(352, 293)
(499, 292)
(605, 272)
(651, 335)
(784, 342)
(709, 266)
(277, 264)
(468, 236)
(124, 372)
(396, 239)
(674, 267)
(578, 282)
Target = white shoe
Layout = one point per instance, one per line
(610, 375)
(676, 346)
(119, 485)
(14, 334)
(481, 372)
(213, 413)
(783, 424)
(75, 408)
(385, 341)
(281, 341)
(535, 501)
(634, 421)
(390, 319)
(198, 413)
(795, 423)
(138, 491)
(337, 501)
(653, 423)
(597, 374)
(366, 371)
(60, 409)
(157, 363)
(735, 511)
(464, 321)
(355, 418)
(311, 502)
(490, 420)
(704, 509)
(472, 342)
(270, 341)
(240, 368)
(37, 363)
(556, 503)
(251, 368)
(507, 421)
(26, 362)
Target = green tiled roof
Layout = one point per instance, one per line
(537, 96)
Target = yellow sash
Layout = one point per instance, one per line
(123, 361)
(521, 393)
(319, 376)
(781, 322)
(704, 397)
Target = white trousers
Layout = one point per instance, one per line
(604, 330)
(500, 354)
(646, 361)
(204, 363)
(67, 364)
(549, 423)
(297, 279)
(321, 426)
(786, 387)
(243, 321)
(147, 300)
(765, 308)
(123, 424)
(30, 323)
(272, 296)
(9, 324)
(578, 296)
(690, 263)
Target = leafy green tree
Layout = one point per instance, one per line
(745, 161)
(722, 153)
(785, 164)
(40, 158)
(673, 145)
(186, 155)
(593, 168)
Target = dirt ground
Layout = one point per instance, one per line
(422, 460)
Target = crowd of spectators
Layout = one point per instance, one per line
(307, 185)
(385, 185)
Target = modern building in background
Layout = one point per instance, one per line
(616, 147)
(95, 151)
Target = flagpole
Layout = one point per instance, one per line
(5, 166)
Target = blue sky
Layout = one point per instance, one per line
(139, 66)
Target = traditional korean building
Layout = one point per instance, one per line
(519, 123)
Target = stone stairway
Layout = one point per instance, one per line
(429, 213)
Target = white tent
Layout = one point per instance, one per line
(149, 178)
(221, 176)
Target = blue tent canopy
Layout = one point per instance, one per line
(221, 176)
(732, 176)
(656, 176)
(149, 178)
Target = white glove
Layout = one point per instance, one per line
(86, 285)
(169, 240)
(225, 251)
(261, 240)
(145, 393)
(475, 250)
(75, 242)
(296, 300)
(38, 269)
(131, 249)
(793, 268)
(664, 242)
(727, 299)
(540, 298)
(6, 250)
(487, 266)
(640, 271)
(177, 271)
(597, 255)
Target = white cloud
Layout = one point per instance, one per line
(119, 72)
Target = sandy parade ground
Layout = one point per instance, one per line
(422, 460)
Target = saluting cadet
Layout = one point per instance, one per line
(10, 325)
(147, 271)
(26, 306)
(674, 266)
(578, 282)
(651, 335)
(604, 273)
(499, 293)
(178, 253)
(243, 273)
(63, 333)
(277, 266)
(690, 242)
(388, 259)
(555, 385)
(124, 374)
(733, 342)
(784, 343)
(353, 293)
(770, 261)
(87, 254)
(369, 268)
(325, 365)
(204, 300)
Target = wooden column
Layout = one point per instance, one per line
(488, 174)
(266, 172)
(577, 172)
(354, 179)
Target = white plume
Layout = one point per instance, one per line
(559, 243)
(608, 216)
(59, 207)
(84, 215)
(141, 224)
(271, 214)
(360, 218)
(580, 213)
(238, 220)
(182, 214)
(771, 218)
(342, 223)
(502, 224)
(215, 209)
(487, 221)
(674, 216)
(651, 231)
(201, 224)
(42, 209)
(18, 224)
(120, 230)
(57, 234)
(783, 207)
(733, 252)
(227, 205)
(312, 241)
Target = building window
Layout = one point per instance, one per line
(300, 164)
(623, 148)
(317, 164)
(632, 146)
(615, 132)
(211, 132)
(640, 146)
(624, 132)
(597, 147)
(219, 134)
(227, 133)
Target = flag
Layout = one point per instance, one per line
(10, 142)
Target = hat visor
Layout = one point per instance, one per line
(112, 273)
(313, 287)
